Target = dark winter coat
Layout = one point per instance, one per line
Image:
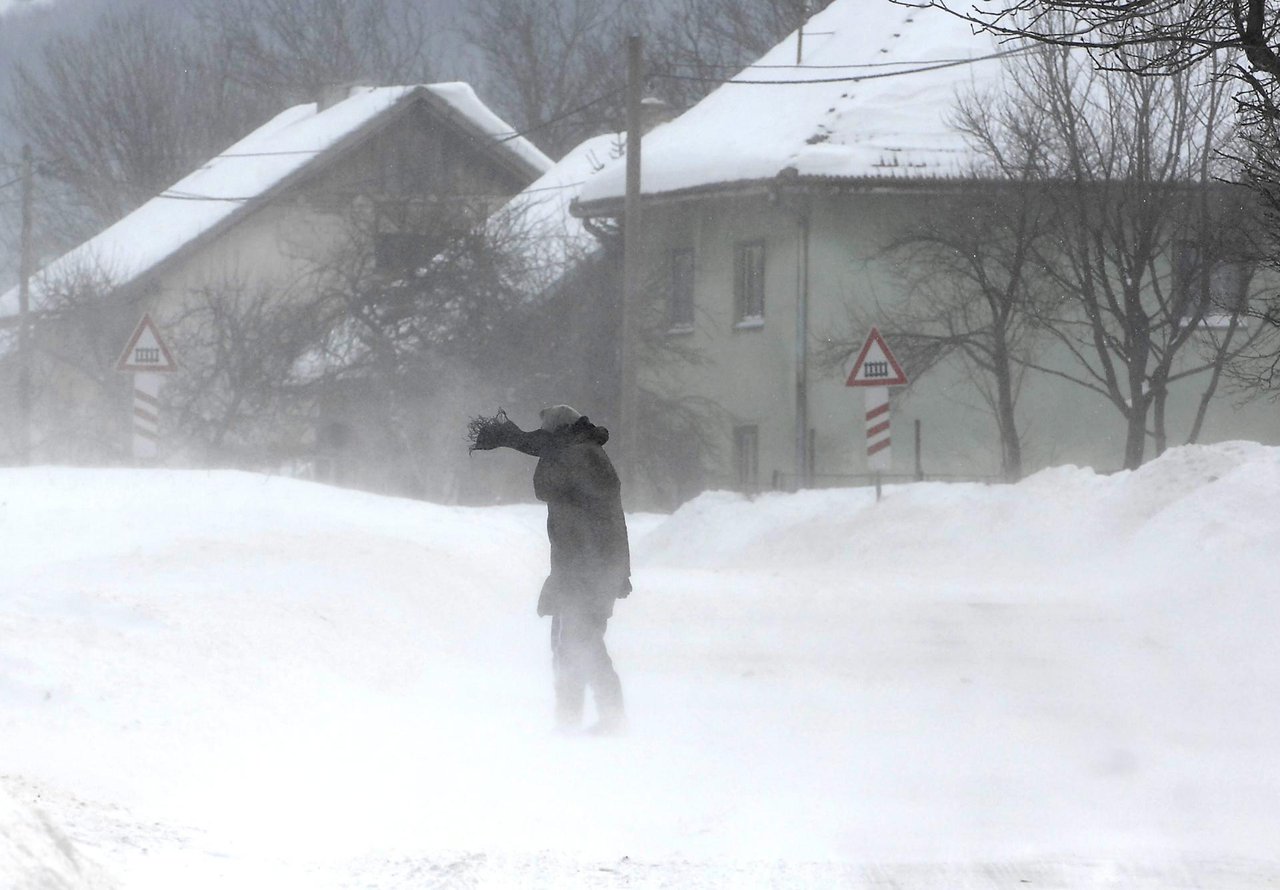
(590, 557)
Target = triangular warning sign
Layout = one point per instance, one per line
(146, 351)
(876, 365)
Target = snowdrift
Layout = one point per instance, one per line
(36, 856)
(1211, 501)
(216, 679)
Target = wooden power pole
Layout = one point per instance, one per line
(24, 315)
(631, 273)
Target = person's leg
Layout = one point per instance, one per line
(567, 669)
(606, 688)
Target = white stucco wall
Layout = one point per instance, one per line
(752, 372)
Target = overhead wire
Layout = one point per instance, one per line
(195, 196)
(808, 67)
(898, 72)
(920, 69)
(563, 115)
(177, 195)
(498, 138)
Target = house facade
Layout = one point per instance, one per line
(383, 171)
(768, 211)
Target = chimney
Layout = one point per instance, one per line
(654, 111)
(331, 94)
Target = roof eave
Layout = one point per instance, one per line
(788, 180)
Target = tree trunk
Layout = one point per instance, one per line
(1006, 421)
(1135, 443)
(1160, 395)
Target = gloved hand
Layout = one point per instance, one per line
(488, 433)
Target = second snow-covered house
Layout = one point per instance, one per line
(770, 210)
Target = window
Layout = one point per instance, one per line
(680, 292)
(399, 253)
(1228, 288)
(748, 282)
(1212, 290)
(746, 456)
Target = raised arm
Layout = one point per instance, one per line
(488, 433)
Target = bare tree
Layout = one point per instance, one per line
(144, 95)
(442, 308)
(552, 65)
(697, 44)
(80, 402)
(1145, 36)
(972, 278)
(288, 51)
(1152, 37)
(251, 372)
(1129, 165)
(122, 112)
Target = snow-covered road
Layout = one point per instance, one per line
(226, 680)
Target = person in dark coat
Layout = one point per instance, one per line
(590, 556)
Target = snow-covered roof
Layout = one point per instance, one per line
(871, 98)
(267, 158)
(541, 214)
(7, 6)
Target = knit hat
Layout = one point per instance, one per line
(557, 416)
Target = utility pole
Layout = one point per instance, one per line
(24, 316)
(631, 289)
(804, 15)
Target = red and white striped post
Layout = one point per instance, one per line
(876, 370)
(148, 359)
(878, 437)
(146, 415)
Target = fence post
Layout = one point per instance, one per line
(919, 462)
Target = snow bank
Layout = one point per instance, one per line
(36, 856)
(20, 6)
(219, 679)
(1194, 500)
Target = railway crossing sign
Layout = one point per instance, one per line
(146, 352)
(875, 370)
(875, 365)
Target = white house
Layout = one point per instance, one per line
(259, 214)
(766, 210)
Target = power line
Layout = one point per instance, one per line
(570, 113)
(505, 137)
(852, 79)
(806, 67)
(194, 196)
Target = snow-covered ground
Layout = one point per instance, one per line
(226, 680)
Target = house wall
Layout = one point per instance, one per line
(752, 372)
(749, 370)
(415, 156)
